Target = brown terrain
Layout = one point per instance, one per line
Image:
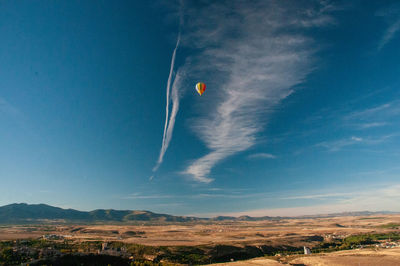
(384, 257)
(280, 232)
(284, 232)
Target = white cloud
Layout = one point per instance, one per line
(384, 198)
(384, 110)
(378, 116)
(169, 119)
(337, 145)
(316, 196)
(391, 14)
(138, 196)
(141, 196)
(356, 139)
(261, 156)
(253, 59)
(389, 34)
(372, 125)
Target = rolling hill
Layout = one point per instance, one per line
(38, 213)
(28, 213)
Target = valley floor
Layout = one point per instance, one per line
(366, 257)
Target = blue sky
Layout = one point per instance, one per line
(300, 116)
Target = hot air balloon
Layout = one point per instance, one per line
(200, 88)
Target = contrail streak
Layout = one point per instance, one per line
(169, 120)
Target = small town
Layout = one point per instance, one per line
(53, 247)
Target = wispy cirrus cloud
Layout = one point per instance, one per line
(261, 155)
(372, 125)
(341, 198)
(337, 145)
(392, 17)
(373, 117)
(382, 198)
(253, 59)
(389, 34)
(202, 194)
(382, 111)
(317, 196)
(149, 196)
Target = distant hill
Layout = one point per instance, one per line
(34, 213)
(15, 213)
(341, 214)
(26, 213)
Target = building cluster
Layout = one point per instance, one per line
(53, 237)
(33, 254)
(329, 237)
(388, 244)
(113, 251)
(49, 252)
(26, 251)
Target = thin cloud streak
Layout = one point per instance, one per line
(261, 156)
(255, 62)
(337, 145)
(386, 109)
(372, 125)
(385, 198)
(169, 121)
(137, 196)
(389, 34)
(231, 195)
(317, 196)
(392, 16)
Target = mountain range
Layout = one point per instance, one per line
(35, 213)
(23, 213)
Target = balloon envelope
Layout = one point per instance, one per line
(200, 88)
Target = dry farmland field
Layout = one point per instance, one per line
(384, 257)
(276, 232)
(333, 240)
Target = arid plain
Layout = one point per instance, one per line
(289, 231)
(294, 232)
(277, 234)
(384, 257)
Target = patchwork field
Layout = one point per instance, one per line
(280, 240)
(284, 231)
(387, 257)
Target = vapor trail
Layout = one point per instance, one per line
(169, 120)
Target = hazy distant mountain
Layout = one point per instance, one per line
(22, 213)
(31, 213)
(223, 218)
(245, 218)
(360, 213)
